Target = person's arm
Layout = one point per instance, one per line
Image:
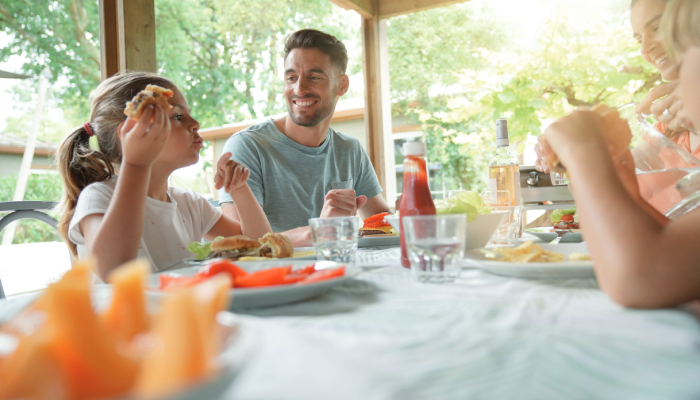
(374, 205)
(113, 238)
(639, 261)
(300, 237)
(233, 177)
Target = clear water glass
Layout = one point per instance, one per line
(508, 232)
(435, 246)
(335, 239)
(559, 178)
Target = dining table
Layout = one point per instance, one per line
(383, 335)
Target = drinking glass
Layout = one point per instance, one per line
(335, 239)
(559, 178)
(435, 246)
(502, 198)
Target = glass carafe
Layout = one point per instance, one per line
(668, 176)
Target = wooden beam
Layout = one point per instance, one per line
(20, 150)
(137, 35)
(366, 8)
(375, 66)
(392, 8)
(109, 38)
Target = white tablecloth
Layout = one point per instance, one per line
(384, 336)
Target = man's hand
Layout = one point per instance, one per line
(665, 97)
(342, 203)
(230, 175)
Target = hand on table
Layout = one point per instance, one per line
(666, 97)
(230, 174)
(342, 203)
(142, 141)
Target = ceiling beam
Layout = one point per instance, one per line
(392, 8)
(366, 8)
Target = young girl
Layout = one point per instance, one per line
(117, 217)
(639, 260)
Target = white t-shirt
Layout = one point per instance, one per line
(167, 228)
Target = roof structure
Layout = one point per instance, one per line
(13, 144)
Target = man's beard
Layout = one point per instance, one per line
(314, 119)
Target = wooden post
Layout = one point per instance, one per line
(127, 36)
(375, 57)
(109, 38)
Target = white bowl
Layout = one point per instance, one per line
(479, 231)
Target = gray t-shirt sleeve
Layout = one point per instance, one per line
(367, 182)
(243, 150)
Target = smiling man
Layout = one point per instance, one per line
(301, 168)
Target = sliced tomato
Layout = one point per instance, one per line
(226, 266)
(325, 274)
(567, 218)
(299, 274)
(168, 282)
(376, 224)
(376, 217)
(266, 277)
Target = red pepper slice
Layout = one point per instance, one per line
(325, 274)
(226, 266)
(266, 277)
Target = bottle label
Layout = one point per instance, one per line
(493, 187)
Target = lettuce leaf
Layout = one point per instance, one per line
(468, 203)
(557, 214)
(201, 250)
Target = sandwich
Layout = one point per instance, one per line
(376, 225)
(235, 247)
(275, 245)
(152, 94)
(564, 219)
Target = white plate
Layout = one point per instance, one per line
(381, 241)
(566, 269)
(270, 295)
(545, 234)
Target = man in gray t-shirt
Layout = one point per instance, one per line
(300, 168)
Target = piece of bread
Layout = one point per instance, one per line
(615, 130)
(238, 242)
(276, 245)
(152, 94)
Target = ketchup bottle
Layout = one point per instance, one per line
(415, 199)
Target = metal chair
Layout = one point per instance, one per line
(25, 210)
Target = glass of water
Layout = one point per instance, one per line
(335, 239)
(435, 245)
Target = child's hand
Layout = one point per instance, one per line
(230, 175)
(143, 141)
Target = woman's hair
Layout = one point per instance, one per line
(680, 26)
(80, 165)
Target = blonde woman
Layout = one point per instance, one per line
(639, 260)
(117, 204)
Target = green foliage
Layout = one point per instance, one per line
(44, 187)
(576, 61)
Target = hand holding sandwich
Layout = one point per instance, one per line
(143, 140)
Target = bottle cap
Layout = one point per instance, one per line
(413, 149)
(502, 132)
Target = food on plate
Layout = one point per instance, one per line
(565, 219)
(467, 202)
(235, 246)
(243, 248)
(275, 245)
(240, 278)
(376, 225)
(152, 94)
(615, 129)
(530, 252)
(60, 347)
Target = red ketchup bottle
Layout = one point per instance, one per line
(415, 197)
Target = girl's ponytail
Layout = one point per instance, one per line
(80, 165)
